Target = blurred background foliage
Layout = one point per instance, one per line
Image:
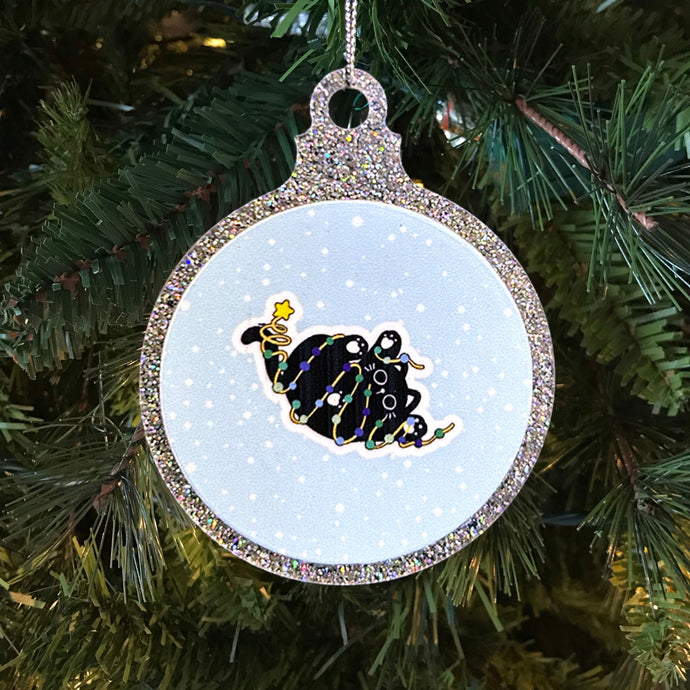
(127, 129)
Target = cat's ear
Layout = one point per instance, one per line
(413, 399)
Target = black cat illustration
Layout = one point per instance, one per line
(341, 387)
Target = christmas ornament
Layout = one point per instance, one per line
(350, 378)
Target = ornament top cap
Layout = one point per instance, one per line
(361, 157)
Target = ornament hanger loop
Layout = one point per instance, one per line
(359, 80)
(350, 39)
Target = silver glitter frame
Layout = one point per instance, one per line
(349, 164)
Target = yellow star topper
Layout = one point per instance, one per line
(283, 310)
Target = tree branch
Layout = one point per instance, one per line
(109, 486)
(578, 154)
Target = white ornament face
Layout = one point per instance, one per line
(350, 390)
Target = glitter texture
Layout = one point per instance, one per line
(350, 164)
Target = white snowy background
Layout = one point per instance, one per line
(359, 263)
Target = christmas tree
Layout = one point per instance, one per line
(129, 129)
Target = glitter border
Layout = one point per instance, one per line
(350, 164)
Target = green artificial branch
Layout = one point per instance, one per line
(104, 640)
(74, 158)
(636, 147)
(513, 666)
(647, 346)
(656, 624)
(500, 558)
(150, 212)
(626, 160)
(17, 423)
(648, 514)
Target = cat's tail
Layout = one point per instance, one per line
(252, 335)
(271, 337)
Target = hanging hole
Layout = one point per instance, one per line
(348, 108)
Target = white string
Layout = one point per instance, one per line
(350, 39)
